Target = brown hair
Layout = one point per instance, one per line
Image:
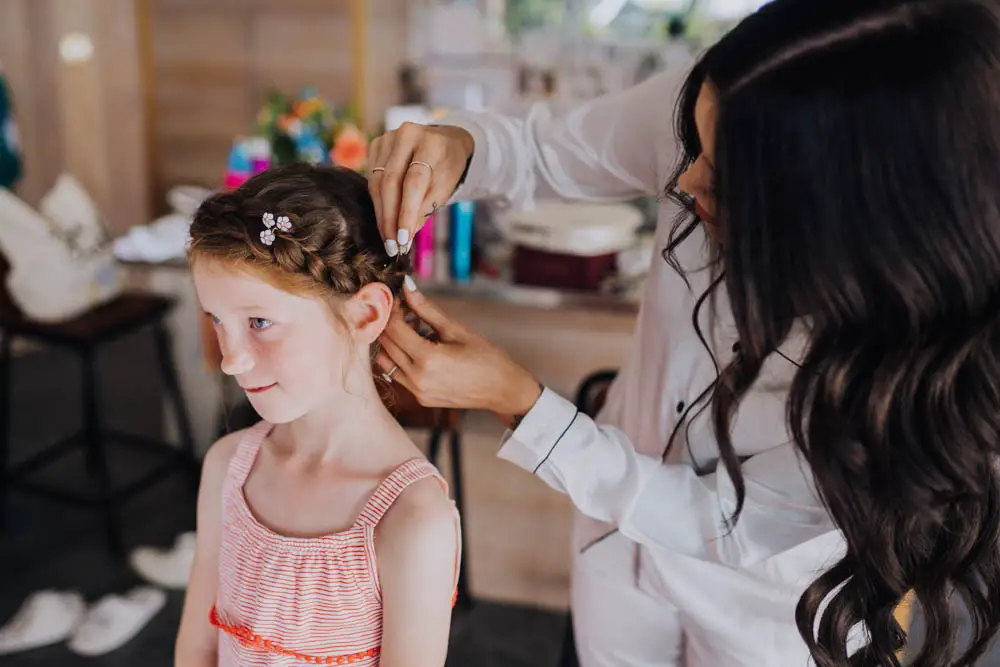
(333, 248)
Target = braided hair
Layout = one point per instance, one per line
(333, 248)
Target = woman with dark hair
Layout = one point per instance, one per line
(808, 426)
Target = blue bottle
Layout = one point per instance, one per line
(462, 217)
(238, 166)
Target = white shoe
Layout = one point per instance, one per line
(46, 617)
(114, 620)
(169, 568)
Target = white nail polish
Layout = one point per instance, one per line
(403, 237)
(409, 284)
(391, 248)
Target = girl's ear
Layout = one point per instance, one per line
(367, 312)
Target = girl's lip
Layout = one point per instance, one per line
(257, 390)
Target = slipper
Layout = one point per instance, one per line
(169, 568)
(45, 617)
(116, 619)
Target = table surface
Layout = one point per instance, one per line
(485, 289)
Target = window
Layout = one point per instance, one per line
(622, 18)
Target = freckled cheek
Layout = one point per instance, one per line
(306, 361)
(267, 358)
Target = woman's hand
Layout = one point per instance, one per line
(460, 370)
(414, 170)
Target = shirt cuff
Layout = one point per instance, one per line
(470, 190)
(539, 433)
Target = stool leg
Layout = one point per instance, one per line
(5, 412)
(464, 597)
(164, 350)
(434, 446)
(96, 456)
(567, 656)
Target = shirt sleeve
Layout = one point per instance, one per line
(611, 148)
(668, 506)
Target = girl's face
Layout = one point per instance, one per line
(289, 353)
(699, 179)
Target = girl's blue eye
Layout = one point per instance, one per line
(259, 323)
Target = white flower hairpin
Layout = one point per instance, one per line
(270, 222)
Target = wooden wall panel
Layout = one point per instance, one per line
(310, 46)
(126, 186)
(88, 154)
(213, 63)
(383, 52)
(201, 64)
(82, 117)
(172, 81)
(30, 60)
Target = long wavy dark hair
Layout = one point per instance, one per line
(858, 185)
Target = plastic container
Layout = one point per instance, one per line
(259, 150)
(571, 246)
(238, 167)
(462, 216)
(423, 250)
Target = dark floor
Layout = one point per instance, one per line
(55, 546)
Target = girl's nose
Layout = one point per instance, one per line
(236, 360)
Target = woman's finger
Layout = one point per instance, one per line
(447, 328)
(387, 365)
(376, 156)
(396, 353)
(417, 187)
(401, 336)
(385, 362)
(396, 166)
(385, 227)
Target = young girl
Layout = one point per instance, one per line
(324, 537)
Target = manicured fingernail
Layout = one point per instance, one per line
(409, 284)
(391, 248)
(403, 237)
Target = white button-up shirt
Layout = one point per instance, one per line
(736, 590)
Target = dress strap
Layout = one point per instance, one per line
(243, 459)
(392, 486)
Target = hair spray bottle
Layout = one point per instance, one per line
(423, 250)
(462, 214)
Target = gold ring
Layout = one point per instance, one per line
(387, 376)
(423, 164)
(374, 169)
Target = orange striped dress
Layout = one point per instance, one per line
(294, 601)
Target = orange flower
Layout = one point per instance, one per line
(305, 108)
(350, 148)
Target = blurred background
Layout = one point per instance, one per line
(117, 117)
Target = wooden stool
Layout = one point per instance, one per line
(439, 422)
(83, 335)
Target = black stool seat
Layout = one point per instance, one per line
(84, 334)
(106, 322)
